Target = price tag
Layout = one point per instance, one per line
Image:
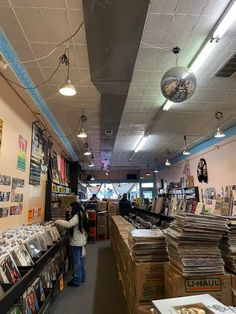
(61, 282)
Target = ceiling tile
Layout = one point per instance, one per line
(163, 6)
(11, 26)
(178, 21)
(29, 17)
(76, 18)
(215, 8)
(82, 56)
(23, 51)
(38, 4)
(157, 22)
(146, 59)
(36, 75)
(153, 38)
(75, 4)
(191, 6)
(58, 34)
(51, 17)
(36, 34)
(4, 3)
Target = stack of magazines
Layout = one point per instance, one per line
(148, 245)
(192, 242)
(228, 245)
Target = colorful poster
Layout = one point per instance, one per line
(30, 215)
(16, 210)
(1, 127)
(21, 155)
(4, 212)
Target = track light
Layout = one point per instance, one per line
(219, 133)
(167, 163)
(82, 133)
(87, 151)
(67, 88)
(186, 152)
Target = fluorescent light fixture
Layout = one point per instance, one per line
(167, 163)
(227, 20)
(67, 89)
(140, 144)
(219, 133)
(203, 55)
(186, 152)
(167, 105)
(82, 133)
(155, 171)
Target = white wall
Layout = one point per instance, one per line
(221, 165)
(17, 119)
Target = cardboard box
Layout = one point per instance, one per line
(67, 199)
(233, 284)
(102, 206)
(219, 286)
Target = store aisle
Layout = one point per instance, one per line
(101, 293)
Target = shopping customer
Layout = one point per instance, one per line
(77, 226)
(125, 206)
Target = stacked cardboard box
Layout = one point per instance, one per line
(101, 225)
(67, 199)
(112, 208)
(142, 282)
(176, 285)
(101, 206)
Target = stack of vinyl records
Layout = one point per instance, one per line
(148, 245)
(193, 244)
(228, 246)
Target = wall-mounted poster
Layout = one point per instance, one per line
(5, 180)
(40, 149)
(4, 196)
(18, 183)
(17, 197)
(21, 154)
(4, 212)
(1, 127)
(16, 210)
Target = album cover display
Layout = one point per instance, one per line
(4, 212)
(9, 273)
(39, 292)
(148, 245)
(4, 196)
(16, 182)
(197, 304)
(22, 256)
(15, 310)
(33, 248)
(193, 244)
(31, 302)
(5, 180)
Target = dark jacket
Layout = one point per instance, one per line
(124, 207)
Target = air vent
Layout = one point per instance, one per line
(108, 132)
(229, 68)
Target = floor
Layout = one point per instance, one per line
(101, 293)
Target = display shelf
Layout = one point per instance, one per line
(187, 193)
(17, 290)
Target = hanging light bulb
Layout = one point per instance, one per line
(167, 163)
(155, 170)
(67, 88)
(82, 133)
(87, 151)
(91, 164)
(219, 133)
(186, 152)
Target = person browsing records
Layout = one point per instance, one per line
(77, 226)
(124, 206)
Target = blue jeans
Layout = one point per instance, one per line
(78, 264)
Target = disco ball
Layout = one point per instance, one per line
(178, 84)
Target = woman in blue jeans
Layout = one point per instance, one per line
(78, 237)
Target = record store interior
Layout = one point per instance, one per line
(117, 156)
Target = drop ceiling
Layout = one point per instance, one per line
(34, 27)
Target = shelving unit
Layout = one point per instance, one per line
(161, 217)
(16, 291)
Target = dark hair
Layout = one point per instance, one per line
(125, 195)
(77, 209)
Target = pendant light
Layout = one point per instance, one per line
(92, 178)
(186, 152)
(67, 88)
(82, 133)
(147, 174)
(219, 133)
(167, 163)
(91, 164)
(87, 151)
(156, 170)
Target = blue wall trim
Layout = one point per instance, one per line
(23, 76)
(208, 143)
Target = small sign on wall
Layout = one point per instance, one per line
(35, 214)
(21, 154)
